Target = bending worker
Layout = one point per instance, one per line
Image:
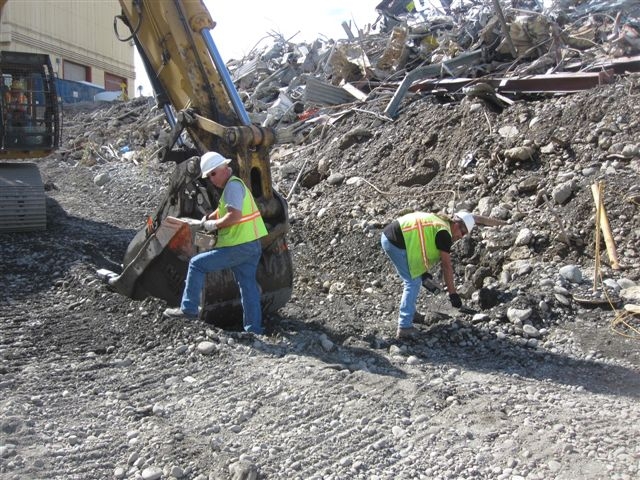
(240, 227)
(416, 242)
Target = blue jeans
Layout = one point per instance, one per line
(411, 288)
(242, 260)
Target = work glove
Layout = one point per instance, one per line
(430, 284)
(202, 220)
(210, 226)
(454, 298)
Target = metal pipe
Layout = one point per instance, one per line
(168, 113)
(238, 106)
(505, 28)
(171, 120)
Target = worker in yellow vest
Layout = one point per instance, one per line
(239, 226)
(416, 242)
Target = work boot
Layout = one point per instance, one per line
(418, 317)
(244, 336)
(175, 313)
(406, 333)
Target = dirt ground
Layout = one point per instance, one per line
(539, 383)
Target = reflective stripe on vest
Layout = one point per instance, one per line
(419, 232)
(250, 227)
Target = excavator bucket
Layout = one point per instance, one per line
(221, 296)
(156, 265)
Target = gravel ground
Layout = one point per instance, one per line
(534, 386)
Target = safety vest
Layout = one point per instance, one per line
(16, 101)
(419, 232)
(250, 227)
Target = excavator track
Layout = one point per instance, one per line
(22, 198)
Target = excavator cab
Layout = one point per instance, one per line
(30, 120)
(29, 128)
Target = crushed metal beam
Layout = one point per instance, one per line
(550, 83)
(322, 93)
(359, 94)
(451, 66)
(620, 65)
(556, 83)
(348, 31)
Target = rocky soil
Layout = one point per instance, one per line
(541, 383)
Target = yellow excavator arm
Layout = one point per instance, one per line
(205, 112)
(169, 37)
(192, 85)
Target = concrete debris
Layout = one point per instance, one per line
(522, 49)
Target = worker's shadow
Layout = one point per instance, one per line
(47, 255)
(314, 340)
(507, 357)
(99, 242)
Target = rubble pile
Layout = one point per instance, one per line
(509, 50)
(523, 135)
(98, 134)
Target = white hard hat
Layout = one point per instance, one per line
(467, 218)
(210, 161)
